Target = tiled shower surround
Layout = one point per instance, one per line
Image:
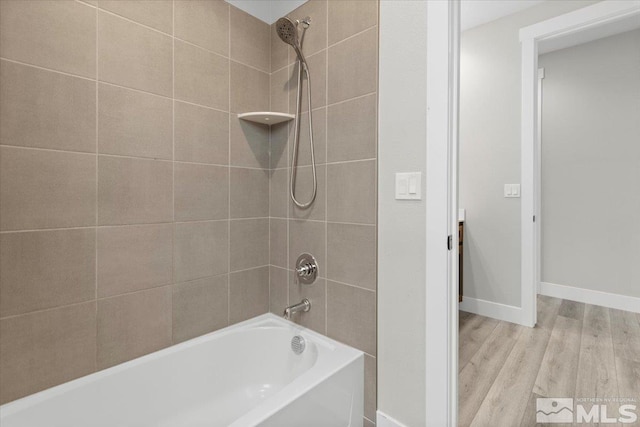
(341, 47)
(136, 211)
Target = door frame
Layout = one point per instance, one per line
(441, 304)
(560, 26)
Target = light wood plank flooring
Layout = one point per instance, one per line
(576, 350)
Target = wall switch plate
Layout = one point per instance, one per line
(512, 190)
(408, 186)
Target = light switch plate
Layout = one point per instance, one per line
(512, 190)
(409, 186)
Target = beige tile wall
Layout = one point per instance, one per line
(130, 195)
(341, 47)
(137, 212)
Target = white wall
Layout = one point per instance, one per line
(474, 13)
(267, 10)
(401, 230)
(591, 165)
(490, 151)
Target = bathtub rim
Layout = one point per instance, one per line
(344, 353)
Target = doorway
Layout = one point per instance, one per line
(589, 23)
(532, 347)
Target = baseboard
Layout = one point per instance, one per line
(588, 296)
(384, 420)
(495, 310)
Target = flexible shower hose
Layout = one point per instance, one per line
(296, 139)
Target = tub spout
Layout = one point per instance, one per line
(304, 305)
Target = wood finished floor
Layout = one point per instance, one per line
(576, 350)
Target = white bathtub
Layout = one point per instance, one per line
(243, 375)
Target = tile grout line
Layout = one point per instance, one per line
(173, 36)
(328, 46)
(141, 224)
(288, 186)
(249, 66)
(196, 105)
(164, 96)
(124, 18)
(104, 82)
(86, 4)
(352, 36)
(269, 182)
(26, 64)
(326, 180)
(195, 221)
(229, 172)
(123, 156)
(152, 288)
(137, 291)
(173, 158)
(376, 197)
(58, 307)
(334, 222)
(256, 267)
(97, 186)
(279, 267)
(283, 67)
(372, 159)
(353, 98)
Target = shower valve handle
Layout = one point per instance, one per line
(306, 269)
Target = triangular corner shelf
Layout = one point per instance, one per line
(266, 117)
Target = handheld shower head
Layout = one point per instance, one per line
(288, 31)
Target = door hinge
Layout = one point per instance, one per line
(534, 218)
(450, 242)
